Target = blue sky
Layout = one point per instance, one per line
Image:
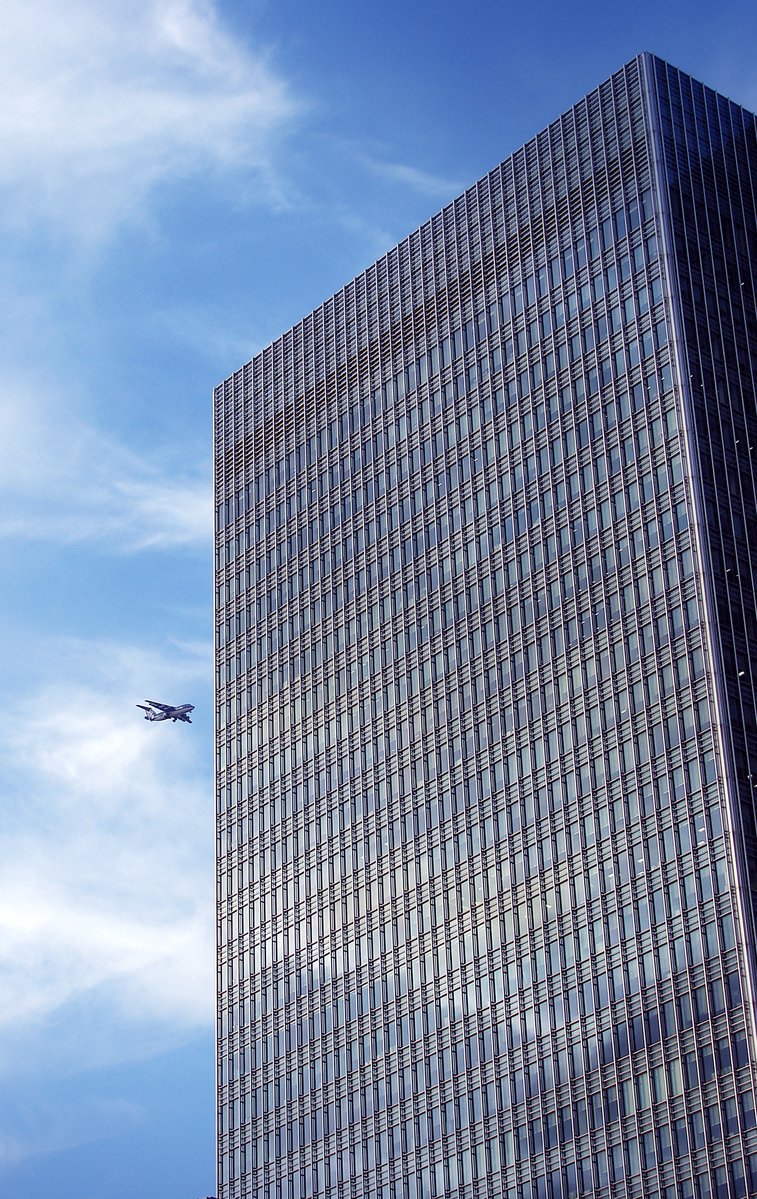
(181, 180)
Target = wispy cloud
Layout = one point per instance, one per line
(105, 863)
(62, 480)
(101, 103)
(53, 1127)
(219, 338)
(438, 186)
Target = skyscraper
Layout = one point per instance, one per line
(486, 731)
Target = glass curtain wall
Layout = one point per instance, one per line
(484, 922)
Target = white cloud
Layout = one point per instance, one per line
(106, 866)
(63, 481)
(219, 337)
(413, 177)
(100, 103)
(53, 1127)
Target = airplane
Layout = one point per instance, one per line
(157, 711)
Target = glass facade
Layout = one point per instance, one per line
(486, 737)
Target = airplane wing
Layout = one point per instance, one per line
(155, 704)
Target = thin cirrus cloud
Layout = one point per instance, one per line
(62, 480)
(105, 861)
(101, 103)
(412, 177)
(51, 1127)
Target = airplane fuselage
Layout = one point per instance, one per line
(157, 711)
